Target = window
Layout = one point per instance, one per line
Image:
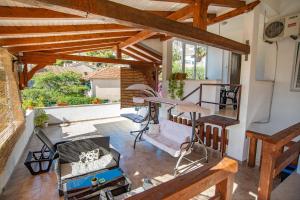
(296, 73)
(189, 58)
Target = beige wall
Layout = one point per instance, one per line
(106, 89)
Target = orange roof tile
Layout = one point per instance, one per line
(112, 73)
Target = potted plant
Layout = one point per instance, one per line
(28, 104)
(176, 85)
(94, 181)
(61, 102)
(40, 118)
(96, 101)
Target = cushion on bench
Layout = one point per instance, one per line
(170, 137)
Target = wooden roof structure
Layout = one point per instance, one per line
(41, 31)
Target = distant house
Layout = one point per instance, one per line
(105, 83)
(80, 68)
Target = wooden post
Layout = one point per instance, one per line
(225, 188)
(252, 152)
(118, 53)
(200, 14)
(266, 175)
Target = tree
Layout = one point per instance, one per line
(49, 88)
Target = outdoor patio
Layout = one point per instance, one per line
(145, 162)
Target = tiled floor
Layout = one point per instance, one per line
(145, 161)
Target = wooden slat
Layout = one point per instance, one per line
(208, 136)
(17, 30)
(215, 138)
(134, 17)
(166, 13)
(22, 12)
(65, 38)
(233, 13)
(179, 120)
(188, 185)
(62, 45)
(201, 132)
(40, 58)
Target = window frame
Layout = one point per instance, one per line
(296, 69)
(183, 63)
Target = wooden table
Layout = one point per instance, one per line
(82, 187)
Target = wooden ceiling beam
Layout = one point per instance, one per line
(22, 12)
(16, 30)
(227, 3)
(200, 14)
(56, 46)
(110, 44)
(87, 50)
(130, 16)
(233, 13)
(181, 14)
(140, 54)
(222, 3)
(40, 58)
(166, 13)
(131, 55)
(64, 38)
(147, 52)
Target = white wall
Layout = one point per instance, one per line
(18, 150)
(106, 89)
(154, 44)
(58, 114)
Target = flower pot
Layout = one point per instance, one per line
(46, 124)
(94, 181)
(62, 104)
(180, 76)
(30, 108)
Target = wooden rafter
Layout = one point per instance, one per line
(54, 46)
(223, 3)
(167, 13)
(134, 17)
(233, 13)
(22, 12)
(71, 49)
(64, 38)
(44, 58)
(130, 54)
(34, 70)
(181, 14)
(16, 30)
(87, 50)
(140, 54)
(146, 51)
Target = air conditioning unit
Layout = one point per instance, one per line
(281, 28)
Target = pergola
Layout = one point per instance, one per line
(41, 31)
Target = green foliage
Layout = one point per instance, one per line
(107, 53)
(40, 117)
(176, 86)
(49, 89)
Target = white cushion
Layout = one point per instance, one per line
(170, 137)
(154, 129)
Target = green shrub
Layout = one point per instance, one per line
(40, 117)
